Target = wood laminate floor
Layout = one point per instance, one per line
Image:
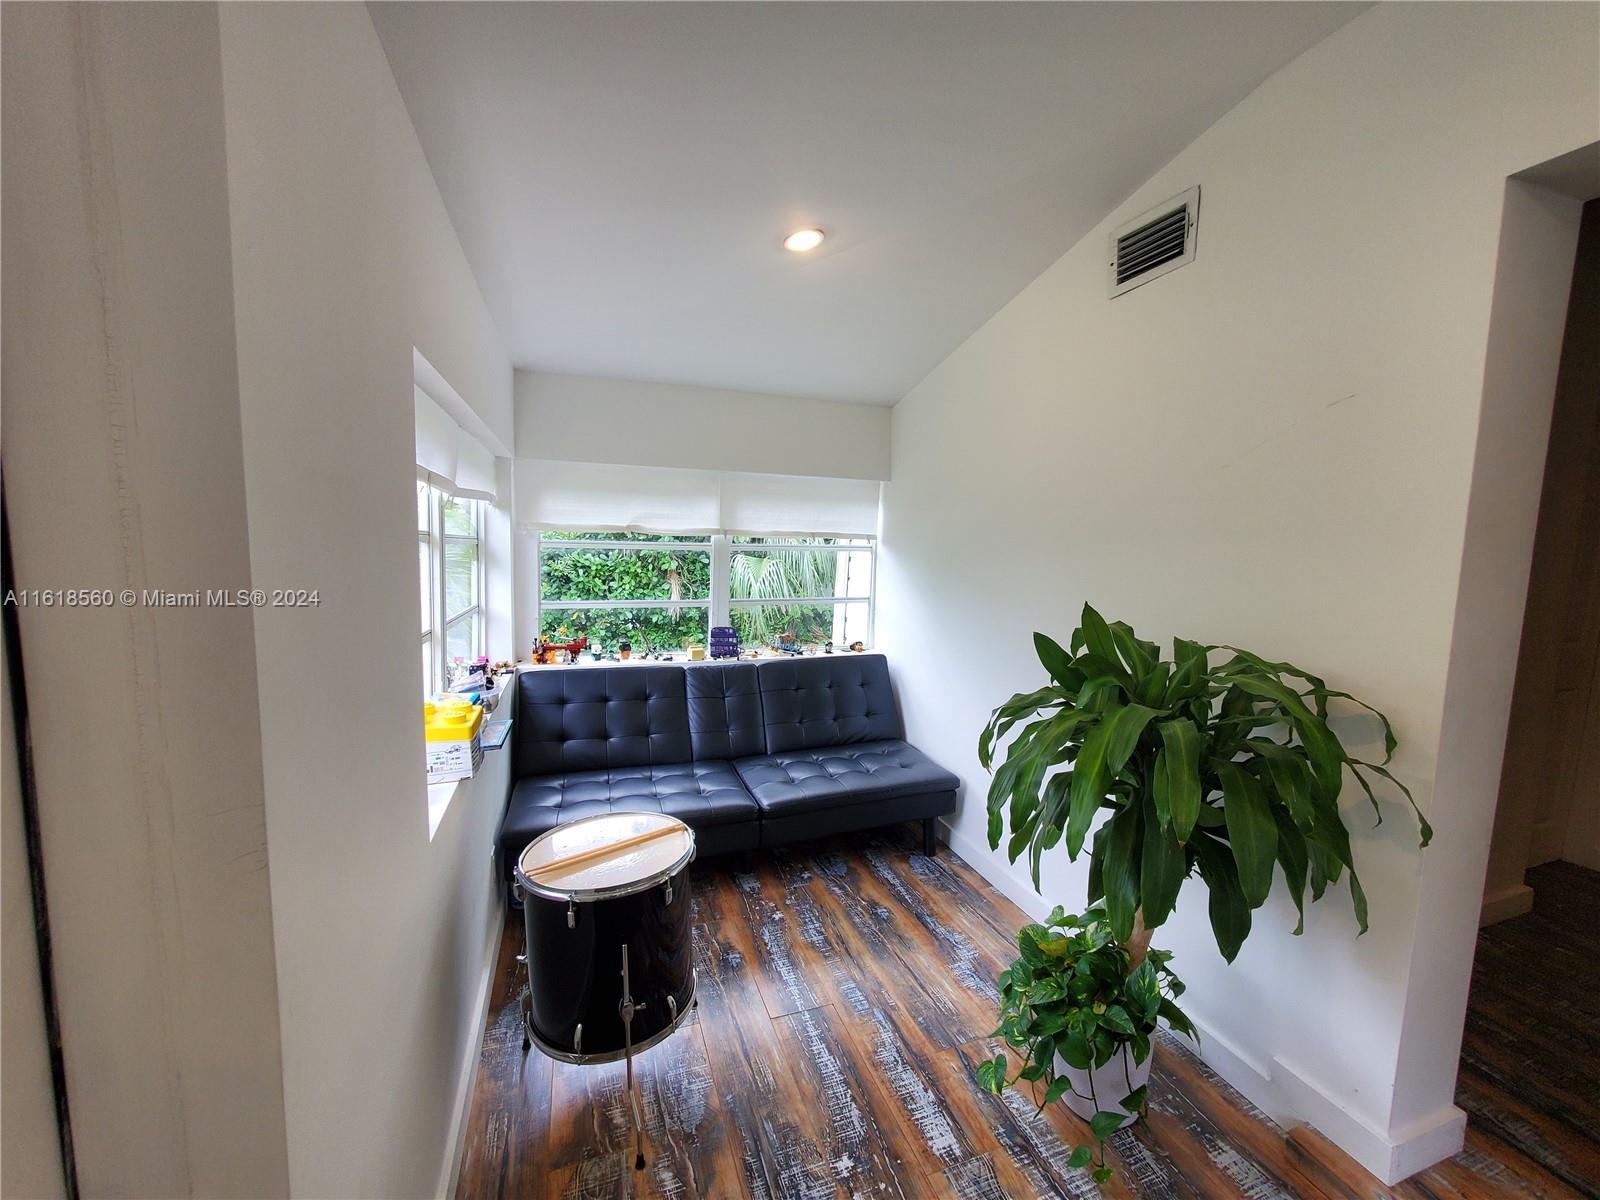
(846, 992)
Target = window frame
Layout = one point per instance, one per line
(436, 638)
(720, 603)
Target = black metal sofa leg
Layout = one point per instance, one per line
(930, 836)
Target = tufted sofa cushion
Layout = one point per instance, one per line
(807, 780)
(598, 720)
(724, 710)
(703, 795)
(833, 700)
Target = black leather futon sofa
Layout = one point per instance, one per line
(746, 753)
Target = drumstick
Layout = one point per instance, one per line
(584, 857)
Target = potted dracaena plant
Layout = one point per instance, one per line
(1228, 769)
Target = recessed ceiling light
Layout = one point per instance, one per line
(802, 240)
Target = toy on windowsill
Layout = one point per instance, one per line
(858, 647)
(547, 653)
(724, 642)
(624, 650)
(787, 643)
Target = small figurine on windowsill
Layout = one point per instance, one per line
(858, 647)
(624, 650)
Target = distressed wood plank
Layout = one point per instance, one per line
(688, 1140)
(795, 1091)
(510, 1109)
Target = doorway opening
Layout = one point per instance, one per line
(1530, 1056)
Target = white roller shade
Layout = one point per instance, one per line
(566, 495)
(448, 456)
(438, 443)
(474, 469)
(799, 505)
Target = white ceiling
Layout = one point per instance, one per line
(620, 175)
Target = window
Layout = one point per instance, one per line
(450, 564)
(815, 589)
(662, 592)
(650, 590)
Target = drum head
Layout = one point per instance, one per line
(626, 870)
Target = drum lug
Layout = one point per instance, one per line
(577, 1039)
(572, 914)
(672, 1007)
(669, 891)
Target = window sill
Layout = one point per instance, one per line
(439, 797)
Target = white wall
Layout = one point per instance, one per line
(344, 260)
(668, 425)
(1272, 446)
(123, 470)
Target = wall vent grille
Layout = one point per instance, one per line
(1155, 242)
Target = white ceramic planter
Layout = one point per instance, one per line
(1112, 1084)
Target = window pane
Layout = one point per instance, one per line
(460, 517)
(460, 576)
(427, 666)
(762, 625)
(798, 572)
(644, 628)
(424, 505)
(551, 535)
(461, 639)
(809, 624)
(425, 570)
(624, 574)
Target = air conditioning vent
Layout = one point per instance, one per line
(1155, 242)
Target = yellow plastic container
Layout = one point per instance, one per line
(451, 719)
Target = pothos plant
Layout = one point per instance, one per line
(1075, 992)
(1229, 769)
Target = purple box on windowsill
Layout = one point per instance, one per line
(724, 642)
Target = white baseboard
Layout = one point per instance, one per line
(450, 1170)
(1278, 1088)
(1391, 1156)
(1506, 903)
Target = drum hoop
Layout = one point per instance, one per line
(655, 1039)
(590, 895)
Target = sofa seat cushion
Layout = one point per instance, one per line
(697, 793)
(799, 780)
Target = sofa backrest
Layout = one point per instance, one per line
(600, 718)
(725, 710)
(827, 700)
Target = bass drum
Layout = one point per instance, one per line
(608, 914)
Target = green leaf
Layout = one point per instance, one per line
(992, 1074)
(1252, 833)
(1080, 1157)
(1326, 752)
(1121, 871)
(1292, 857)
(1140, 656)
(1102, 1174)
(1359, 898)
(1427, 830)
(1290, 775)
(1104, 1124)
(1106, 748)
(1116, 1017)
(1059, 1086)
(1230, 914)
(1174, 1016)
(1162, 866)
(1176, 786)
(1097, 634)
(1135, 1100)
(1057, 661)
